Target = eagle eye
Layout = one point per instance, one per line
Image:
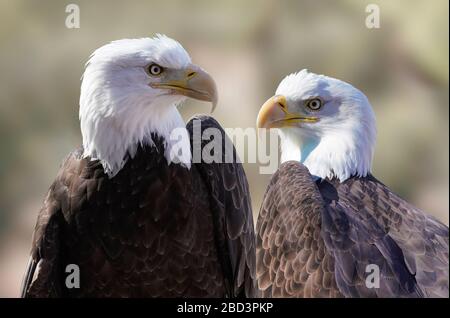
(314, 104)
(154, 69)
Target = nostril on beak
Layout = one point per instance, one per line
(281, 101)
(191, 74)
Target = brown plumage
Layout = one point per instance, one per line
(315, 239)
(153, 230)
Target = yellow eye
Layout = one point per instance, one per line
(154, 69)
(314, 104)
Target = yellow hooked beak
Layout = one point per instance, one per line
(274, 114)
(192, 82)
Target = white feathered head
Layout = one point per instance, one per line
(323, 122)
(130, 89)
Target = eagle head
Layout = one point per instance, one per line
(130, 90)
(323, 122)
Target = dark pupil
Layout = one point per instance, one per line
(314, 104)
(155, 69)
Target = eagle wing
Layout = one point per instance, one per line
(230, 204)
(44, 261)
(292, 259)
(323, 239)
(365, 223)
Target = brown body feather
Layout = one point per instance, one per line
(153, 230)
(315, 239)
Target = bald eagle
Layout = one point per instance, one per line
(137, 218)
(327, 227)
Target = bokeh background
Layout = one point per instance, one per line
(248, 47)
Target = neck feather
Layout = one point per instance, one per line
(334, 156)
(115, 138)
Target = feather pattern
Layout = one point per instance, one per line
(152, 230)
(315, 239)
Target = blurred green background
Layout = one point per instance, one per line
(248, 47)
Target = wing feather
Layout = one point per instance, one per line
(43, 272)
(316, 239)
(383, 229)
(231, 205)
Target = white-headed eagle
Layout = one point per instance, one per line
(327, 227)
(138, 218)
